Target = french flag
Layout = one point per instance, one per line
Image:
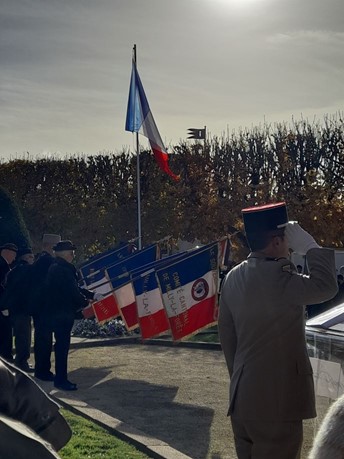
(150, 307)
(125, 298)
(189, 291)
(140, 119)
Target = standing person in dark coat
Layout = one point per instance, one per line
(262, 333)
(63, 300)
(16, 299)
(8, 254)
(42, 335)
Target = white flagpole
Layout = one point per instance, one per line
(138, 180)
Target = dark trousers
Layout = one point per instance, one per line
(5, 337)
(22, 338)
(43, 340)
(267, 440)
(62, 329)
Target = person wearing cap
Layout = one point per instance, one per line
(8, 253)
(262, 333)
(30, 422)
(42, 336)
(16, 299)
(64, 300)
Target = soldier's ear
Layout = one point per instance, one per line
(277, 241)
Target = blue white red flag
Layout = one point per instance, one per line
(189, 291)
(118, 276)
(125, 299)
(140, 119)
(151, 313)
(150, 307)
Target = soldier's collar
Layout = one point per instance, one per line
(262, 256)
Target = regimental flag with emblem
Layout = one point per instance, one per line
(189, 290)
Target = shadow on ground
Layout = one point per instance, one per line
(148, 407)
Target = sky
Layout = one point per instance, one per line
(225, 64)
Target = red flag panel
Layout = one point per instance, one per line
(106, 309)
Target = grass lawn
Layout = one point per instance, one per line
(209, 335)
(91, 441)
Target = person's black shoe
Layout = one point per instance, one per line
(45, 376)
(65, 385)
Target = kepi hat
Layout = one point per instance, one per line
(260, 220)
(269, 217)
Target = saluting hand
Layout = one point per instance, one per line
(298, 239)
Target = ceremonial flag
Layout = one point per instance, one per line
(140, 118)
(119, 272)
(92, 271)
(189, 290)
(125, 299)
(149, 304)
(119, 277)
(106, 309)
(150, 307)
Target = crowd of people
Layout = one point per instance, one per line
(261, 329)
(42, 290)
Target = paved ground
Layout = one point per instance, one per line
(170, 399)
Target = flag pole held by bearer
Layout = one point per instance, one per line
(140, 118)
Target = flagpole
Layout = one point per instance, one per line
(138, 179)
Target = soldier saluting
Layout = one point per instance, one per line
(262, 333)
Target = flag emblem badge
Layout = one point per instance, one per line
(199, 289)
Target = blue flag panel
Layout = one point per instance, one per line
(190, 268)
(117, 273)
(100, 262)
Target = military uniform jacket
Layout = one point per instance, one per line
(262, 333)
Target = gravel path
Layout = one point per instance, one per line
(175, 394)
